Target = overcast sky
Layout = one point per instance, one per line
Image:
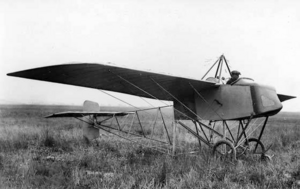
(261, 39)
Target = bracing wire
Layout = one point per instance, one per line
(138, 87)
(147, 94)
(118, 99)
(205, 100)
(176, 98)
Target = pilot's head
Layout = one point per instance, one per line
(235, 74)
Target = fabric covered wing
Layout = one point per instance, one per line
(117, 79)
(83, 113)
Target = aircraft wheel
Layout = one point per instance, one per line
(252, 143)
(224, 150)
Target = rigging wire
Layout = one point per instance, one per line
(205, 101)
(118, 99)
(176, 98)
(137, 87)
(151, 94)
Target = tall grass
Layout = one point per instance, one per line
(39, 153)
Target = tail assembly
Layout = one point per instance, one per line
(91, 106)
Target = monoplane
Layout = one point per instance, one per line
(224, 116)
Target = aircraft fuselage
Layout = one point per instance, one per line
(230, 102)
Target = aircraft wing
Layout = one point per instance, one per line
(117, 79)
(84, 113)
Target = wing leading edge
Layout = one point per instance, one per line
(117, 79)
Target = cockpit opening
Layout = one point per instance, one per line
(239, 81)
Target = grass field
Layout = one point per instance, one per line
(51, 153)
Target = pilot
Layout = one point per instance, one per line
(234, 76)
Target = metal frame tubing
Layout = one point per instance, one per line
(244, 130)
(195, 134)
(261, 132)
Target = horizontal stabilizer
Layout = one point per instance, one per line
(284, 97)
(86, 113)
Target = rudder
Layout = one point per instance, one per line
(91, 106)
(89, 131)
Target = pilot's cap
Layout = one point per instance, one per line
(235, 72)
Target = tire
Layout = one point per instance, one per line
(252, 142)
(224, 150)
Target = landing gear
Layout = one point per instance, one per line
(232, 141)
(252, 147)
(226, 151)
